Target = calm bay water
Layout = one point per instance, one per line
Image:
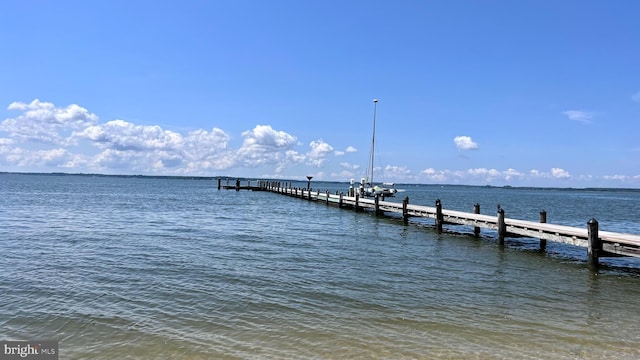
(148, 268)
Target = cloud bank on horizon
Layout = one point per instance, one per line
(44, 137)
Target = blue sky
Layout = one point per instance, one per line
(521, 93)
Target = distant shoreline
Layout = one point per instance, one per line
(210, 178)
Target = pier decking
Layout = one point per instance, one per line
(598, 243)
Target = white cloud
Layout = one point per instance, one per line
(123, 145)
(617, 177)
(465, 143)
(396, 172)
(295, 157)
(396, 169)
(343, 175)
(45, 123)
(350, 166)
(349, 149)
(123, 135)
(57, 157)
(436, 175)
(560, 173)
(579, 116)
(318, 153)
(263, 145)
(291, 158)
(319, 148)
(483, 172)
(511, 174)
(265, 136)
(490, 176)
(43, 137)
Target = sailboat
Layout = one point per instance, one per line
(367, 186)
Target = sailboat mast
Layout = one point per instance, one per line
(373, 141)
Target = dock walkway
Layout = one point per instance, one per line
(598, 243)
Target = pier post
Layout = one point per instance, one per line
(476, 229)
(439, 217)
(327, 197)
(405, 212)
(355, 205)
(502, 227)
(595, 244)
(219, 181)
(543, 219)
(237, 184)
(377, 204)
(340, 202)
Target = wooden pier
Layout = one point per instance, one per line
(598, 243)
(237, 186)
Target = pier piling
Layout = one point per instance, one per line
(405, 212)
(595, 244)
(502, 227)
(439, 216)
(476, 229)
(543, 220)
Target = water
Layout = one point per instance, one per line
(147, 268)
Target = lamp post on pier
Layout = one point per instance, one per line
(309, 182)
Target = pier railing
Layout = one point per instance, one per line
(598, 243)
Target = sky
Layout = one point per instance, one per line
(487, 92)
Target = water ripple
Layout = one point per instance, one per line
(140, 268)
